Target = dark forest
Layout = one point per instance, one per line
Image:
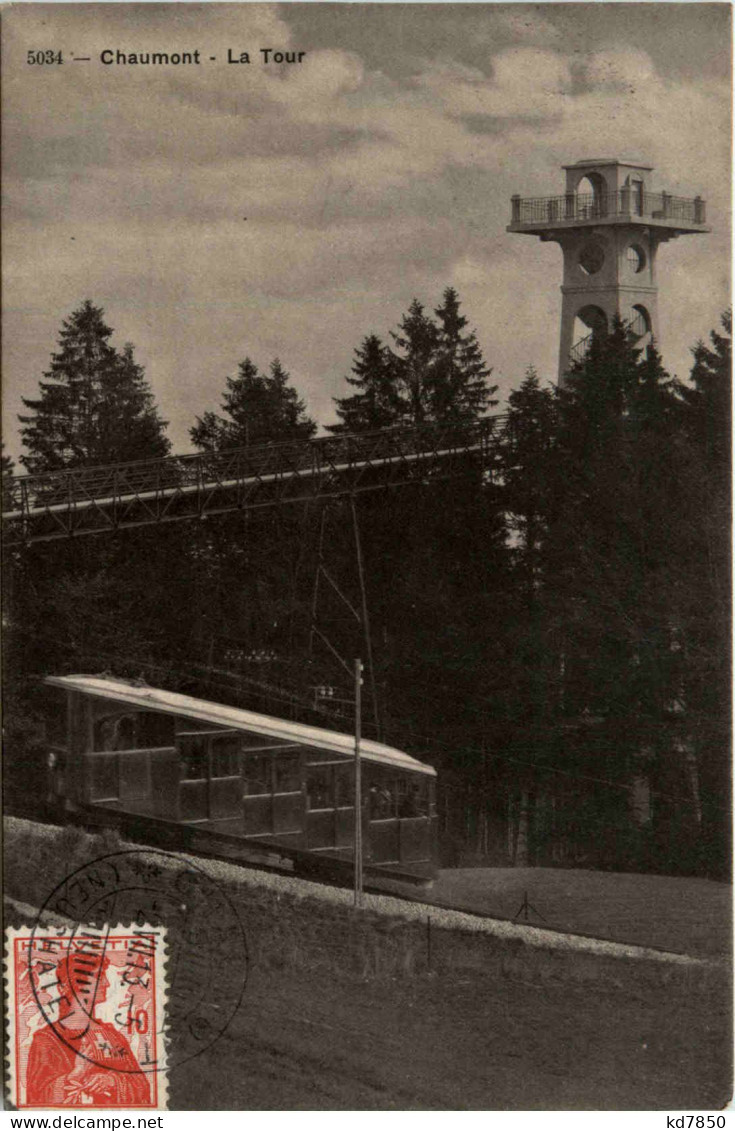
(553, 633)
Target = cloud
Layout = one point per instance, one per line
(322, 77)
(526, 83)
(232, 209)
(526, 25)
(619, 70)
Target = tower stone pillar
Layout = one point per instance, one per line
(609, 224)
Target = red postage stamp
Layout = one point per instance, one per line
(86, 1013)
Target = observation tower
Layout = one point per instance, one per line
(609, 225)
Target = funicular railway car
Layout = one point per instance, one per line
(197, 774)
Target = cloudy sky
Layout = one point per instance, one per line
(379, 169)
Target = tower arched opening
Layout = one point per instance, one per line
(639, 326)
(635, 258)
(590, 322)
(591, 196)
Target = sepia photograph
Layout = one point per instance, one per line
(366, 559)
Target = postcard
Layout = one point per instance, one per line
(366, 559)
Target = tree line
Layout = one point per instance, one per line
(553, 636)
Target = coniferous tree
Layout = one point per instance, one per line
(620, 567)
(434, 373)
(440, 369)
(416, 342)
(95, 406)
(708, 398)
(530, 663)
(378, 402)
(595, 543)
(705, 582)
(8, 466)
(90, 603)
(8, 471)
(87, 598)
(529, 457)
(259, 409)
(433, 550)
(528, 485)
(244, 565)
(129, 426)
(458, 388)
(444, 560)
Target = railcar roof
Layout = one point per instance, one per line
(171, 703)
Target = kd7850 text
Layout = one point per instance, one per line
(695, 1121)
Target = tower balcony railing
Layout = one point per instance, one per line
(626, 202)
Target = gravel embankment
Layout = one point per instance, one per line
(440, 917)
(396, 908)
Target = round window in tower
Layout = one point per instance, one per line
(592, 257)
(635, 257)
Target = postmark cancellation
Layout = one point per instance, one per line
(86, 1010)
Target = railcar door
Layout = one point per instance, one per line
(257, 790)
(225, 780)
(320, 831)
(400, 817)
(210, 787)
(288, 794)
(414, 819)
(381, 786)
(330, 804)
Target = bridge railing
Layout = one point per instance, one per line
(149, 481)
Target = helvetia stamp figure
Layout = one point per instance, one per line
(86, 1009)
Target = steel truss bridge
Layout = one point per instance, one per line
(90, 500)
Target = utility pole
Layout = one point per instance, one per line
(358, 785)
(365, 617)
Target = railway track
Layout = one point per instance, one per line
(326, 872)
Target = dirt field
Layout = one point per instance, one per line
(308, 1043)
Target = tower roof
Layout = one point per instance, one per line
(597, 161)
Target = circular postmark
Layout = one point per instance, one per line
(204, 967)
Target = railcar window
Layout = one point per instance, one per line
(382, 799)
(155, 729)
(411, 798)
(194, 760)
(115, 732)
(225, 756)
(256, 770)
(319, 785)
(344, 786)
(288, 773)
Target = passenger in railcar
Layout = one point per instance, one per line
(56, 766)
(256, 775)
(411, 803)
(381, 802)
(115, 732)
(319, 788)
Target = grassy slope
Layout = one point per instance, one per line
(691, 916)
(506, 1036)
